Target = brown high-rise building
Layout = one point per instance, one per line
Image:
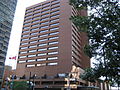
(51, 46)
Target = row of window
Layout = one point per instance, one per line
(40, 23)
(46, 30)
(74, 53)
(40, 36)
(33, 46)
(43, 6)
(43, 35)
(43, 59)
(74, 48)
(42, 64)
(50, 48)
(45, 26)
(46, 18)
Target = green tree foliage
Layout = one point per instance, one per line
(19, 85)
(90, 75)
(103, 28)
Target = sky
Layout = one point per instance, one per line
(17, 29)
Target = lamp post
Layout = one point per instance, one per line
(29, 80)
(34, 76)
(11, 84)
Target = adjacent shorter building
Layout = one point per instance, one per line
(51, 48)
(7, 10)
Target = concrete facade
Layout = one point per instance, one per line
(7, 10)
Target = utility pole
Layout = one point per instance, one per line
(12, 81)
(34, 81)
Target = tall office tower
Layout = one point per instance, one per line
(51, 46)
(7, 10)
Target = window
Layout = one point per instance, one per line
(24, 39)
(22, 57)
(45, 15)
(27, 23)
(43, 40)
(43, 64)
(41, 59)
(37, 6)
(28, 20)
(23, 47)
(32, 65)
(55, 11)
(28, 13)
(43, 35)
(52, 64)
(23, 43)
(54, 24)
(46, 4)
(34, 37)
(51, 38)
(32, 51)
(44, 27)
(56, 4)
(34, 29)
(37, 13)
(29, 10)
(45, 22)
(45, 19)
(55, 1)
(46, 7)
(25, 35)
(23, 52)
(43, 31)
(50, 43)
(29, 16)
(52, 29)
(31, 60)
(45, 11)
(52, 58)
(55, 8)
(44, 44)
(36, 18)
(26, 27)
(32, 55)
(35, 21)
(42, 49)
(41, 54)
(33, 46)
(53, 33)
(22, 61)
(34, 33)
(50, 48)
(35, 25)
(51, 53)
(54, 16)
(33, 41)
(53, 20)
(25, 31)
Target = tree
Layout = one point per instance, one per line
(103, 28)
(19, 85)
(88, 75)
(91, 76)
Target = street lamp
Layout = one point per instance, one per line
(34, 76)
(31, 84)
(11, 84)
